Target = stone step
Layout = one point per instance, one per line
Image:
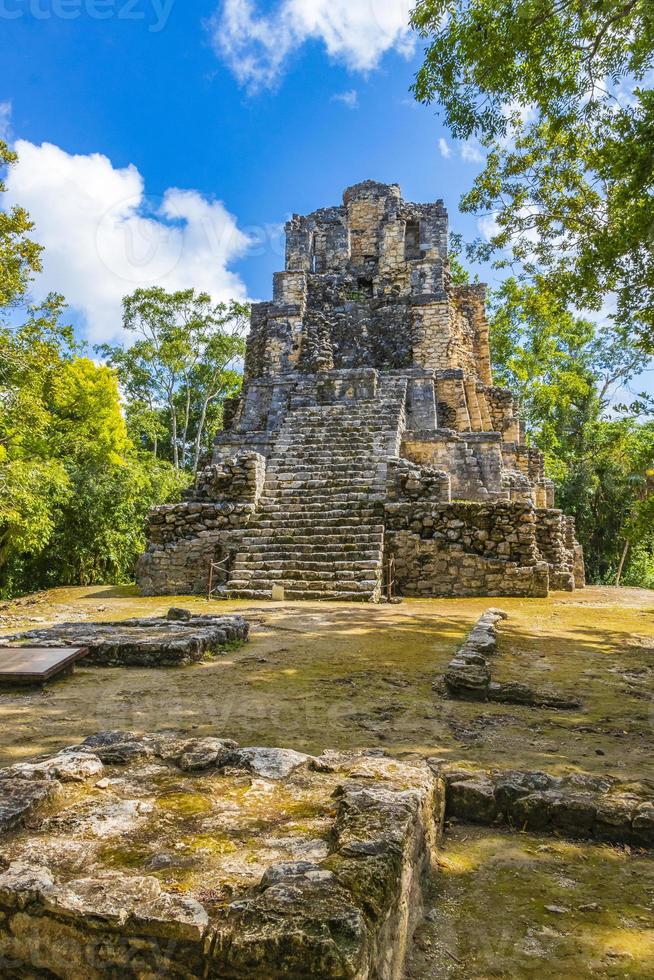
(343, 424)
(319, 471)
(317, 441)
(320, 452)
(345, 475)
(305, 545)
(377, 416)
(321, 517)
(326, 482)
(362, 407)
(337, 539)
(322, 489)
(346, 421)
(267, 581)
(355, 469)
(286, 559)
(305, 573)
(307, 505)
(305, 525)
(336, 503)
(301, 503)
(347, 526)
(328, 595)
(328, 552)
(301, 433)
(336, 556)
(339, 453)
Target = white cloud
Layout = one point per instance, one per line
(488, 226)
(256, 46)
(5, 120)
(471, 152)
(444, 148)
(349, 99)
(103, 238)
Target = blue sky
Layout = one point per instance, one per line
(157, 95)
(167, 141)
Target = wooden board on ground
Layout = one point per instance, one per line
(36, 665)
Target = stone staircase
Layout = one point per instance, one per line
(319, 530)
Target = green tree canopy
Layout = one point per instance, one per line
(20, 257)
(32, 481)
(566, 373)
(179, 370)
(74, 492)
(557, 91)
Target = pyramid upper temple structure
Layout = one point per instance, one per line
(369, 453)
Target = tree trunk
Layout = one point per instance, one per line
(625, 552)
(173, 434)
(198, 438)
(187, 416)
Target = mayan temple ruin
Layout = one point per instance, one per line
(369, 434)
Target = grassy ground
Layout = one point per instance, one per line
(517, 905)
(336, 675)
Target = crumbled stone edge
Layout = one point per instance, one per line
(468, 675)
(351, 915)
(583, 806)
(195, 639)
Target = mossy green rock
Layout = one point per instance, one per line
(192, 857)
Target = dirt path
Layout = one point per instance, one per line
(340, 675)
(336, 675)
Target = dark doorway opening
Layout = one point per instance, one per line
(365, 286)
(412, 250)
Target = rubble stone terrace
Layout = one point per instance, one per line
(368, 430)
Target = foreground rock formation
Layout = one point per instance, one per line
(140, 856)
(602, 808)
(369, 430)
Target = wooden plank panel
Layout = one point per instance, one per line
(21, 665)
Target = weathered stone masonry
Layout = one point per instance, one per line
(368, 427)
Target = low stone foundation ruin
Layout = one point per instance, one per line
(369, 435)
(600, 808)
(468, 675)
(138, 855)
(172, 641)
(135, 856)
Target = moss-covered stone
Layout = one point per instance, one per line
(262, 863)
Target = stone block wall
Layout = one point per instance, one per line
(474, 464)
(552, 540)
(183, 543)
(465, 549)
(184, 538)
(407, 482)
(238, 477)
